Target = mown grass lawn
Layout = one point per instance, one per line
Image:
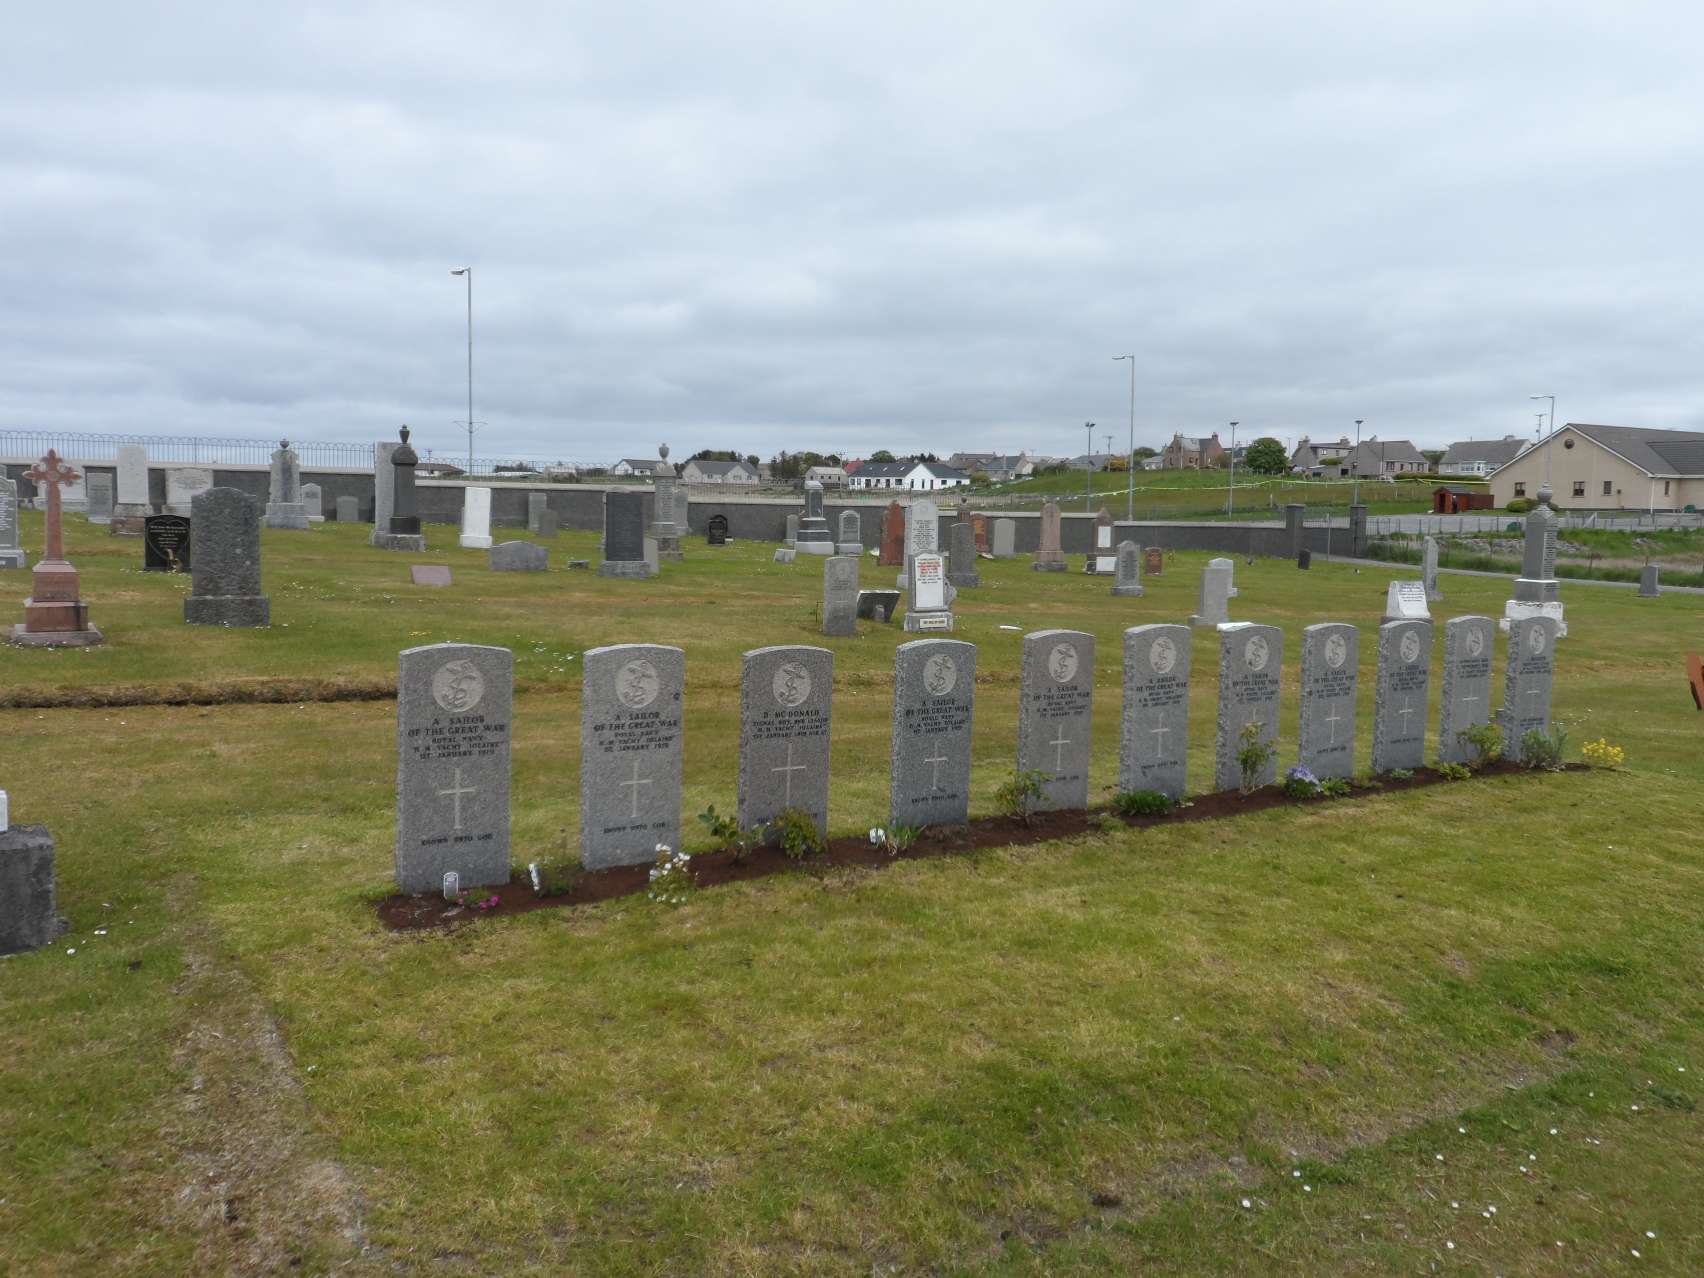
(1202, 494)
(1076, 1057)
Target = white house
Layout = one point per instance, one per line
(1481, 456)
(905, 476)
(1608, 468)
(719, 472)
(636, 466)
(827, 476)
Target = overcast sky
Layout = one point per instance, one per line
(849, 226)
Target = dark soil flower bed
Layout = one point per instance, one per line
(408, 913)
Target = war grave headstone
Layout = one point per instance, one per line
(284, 508)
(548, 525)
(961, 561)
(384, 489)
(878, 605)
(313, 501)
(840, 595)
(893, 537)
(1127, 582)
(183, 485)
(813, 537)
(1251, 660)
(519, 556)
(1102, 561)
(1048, 556)
(1399, 697)
(929, 604)
(1216, 594)
(1325, 729)
(631, 736)
(624, 537)
(1153, 739)
(99, 487)
(404, 534)
(934, 689)
(454, 713)
(786, 703)
(11, 549)
(1537, 591)
(851, 539)
(131, 502)
(1527, 679)
(29, 891)
(979, 524)
(225, 561)
(716, 531)
(1055, 706)
(430, 574)
(1648, 584)
(1466, 699)
(55, 615)
(1154, 562)
(535, 510)
(1429, 572)
(348, 510)
(792, 537)
(1406, 601)
(1005, 539)
(475, 520)
(166, 543)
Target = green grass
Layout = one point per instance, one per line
(1076, 1057)
(1197, 494)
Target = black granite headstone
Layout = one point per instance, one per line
(1304, 558)
(717, 532)
(165, 543)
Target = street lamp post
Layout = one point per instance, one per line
(1231, 492)
(1130, 457)
(1355, 467)
(468, 271)
(1089, 468)
(1548, 433)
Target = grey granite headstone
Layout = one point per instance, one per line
(313, 501)
(1429, 572)
(683, 511)
(851, 539)
(1537, 582)
(961, 556)
(1100, 561)
(922, 527)
(548, 525)
(519, 556)
(792, 530)
(624, 537)
(29, 894)
(384, 488)
(1648, 587)
(1153, 739)
(1005, 539)
(1466, 698)
(652, 554)
(1251, 663)
(1527, 682)
(11, 551)
(840, 595)
(535, 510)
(348, 510)
(813, 537)
(454, 710)
(1127, 580)
(1399, 699)
(878, 605)
(934, 682)
(786, 703)
(100, 490)
(1216, 593)
(1056, 690)
(1325, 729)
(1048, 556)
(284, 509)
(430, 575)
(224, 552)
(631, 734)
(130, 495)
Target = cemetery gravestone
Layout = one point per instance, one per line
(1429, 572)
(630, 749)
(1049, 557)
(348, 510)
(961, 562)
(99, 488)
(840, 595)
(784, 555)
(131, 499)
(29, 900)
(225, 561)
(430, 574)
(284, 509)
(183, 485)
(313, 501)
(928, 606)
(663, 530)
(1154, 562)
(548, 525)
(1648, 587)
(877, 605)
(851, 540)
(1406, 601)
(1251, 660)
(55, 615)
(716, 531)
(792, 537)
(475, 520)
(1325, 730)
(403, 532)
(1128, 581)
(1216, 594)
(624, 537)
(1466, 700)
(535, 510)
(1101, 560)
(979, 524)
(813, 536)
(454, 711)
(1154, 726)
(683, 511)
(934, 684)
(1399, 698)
(519, 556)
(922, 534)
(11, 550)
(1055, 705)
(384, 489)
(893, 537)
(786, 701)
(1005, 539)
(166, 542)
(652, 553)
(1527, 678)
(1537, 591)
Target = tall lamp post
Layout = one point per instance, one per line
(1089, 468)
(1355, 467)
(1130, 457)
(1231, 492)
(468, 271)
(1548, 433)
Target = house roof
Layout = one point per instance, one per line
(1656, 452)
(637, 463)
(884, 470)
(940, 470)
(1494, 451)
(1376, 452)
(720, 467)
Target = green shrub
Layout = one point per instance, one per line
(1485, 740)
(1017, 798)
(1520, 505)
(1334, 788)
(1300, 783)
(1253, 756)
(725, 833)
(1141, 803)
(797, 834)
(1454, 771)
(1401, 774)
(1543, 751)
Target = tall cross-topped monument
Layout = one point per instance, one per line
(55, 615)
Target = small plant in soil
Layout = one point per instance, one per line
(1454, 771)
(1253, 756)
(1486, 742)
(1141, 803)
(1018, 797)
(897, 840)
(671, 877)
(1334, 788)
(1301, 783)
(1401, 774)
(1600, 754)
(1106, 822)
(1543, 751)
(484, 904)
(725, 833)
(797, 834)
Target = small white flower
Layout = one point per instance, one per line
(1307, 1189)
(1462, 1130)
(1635, 1252)
(1439, 1157)
(1493, 1209)
(1650, 1233)
(1553, 1131)
(1297, 1173)
(1246, 1203)
(1450, 1245)
(72, 950)
(1455, 1204)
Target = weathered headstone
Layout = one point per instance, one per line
(1648, 585)
(1153, 742)
(284, 508)
(840, 595)
(55, 615)
(548, 524)
(1101, 561)
(893, 537)
(1128, 581)
(878, 605)
(934, 683)
(1429, 572)
(784, 555)
(184, 484)
(1304, 559)
(1216, 594)
(786, 703)
(929, 604)
(404, 530)
(851, 539)
(1399, 699)
(813, 537)
(652, 554)
(1527, 682)
(792, 537)
(430, 575)
(979, 524)
(348, 510)
(99, 487)
(1325, 730)
(1056, 690)
(131, 501)
(519, 556)
(1466, 697)
(1251, 661)
(166, 543)
(1154, 562)
(313, 501)
(716, 531)
(384, 489)
(922, 535)
(1406, 601)
(225, 561)
(1005, 539)
(663, 529)
(535, 510)
(454, 712)
(29, 900)
(631, 734)
(683, 511)
(961, 561)
(475, 520)
(11, 549)
(624, 537)
(1048, 556)
(1537, 591)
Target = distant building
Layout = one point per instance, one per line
(999, 467)
(1093, 461)
(1609, 468)
(643, 469)
(1481, 456)
(906, 476)
(827, 476)
(1193, 453)
(719, 472)
(872, 476)
(1318, 459)
(1378, 458)
(1454, 499)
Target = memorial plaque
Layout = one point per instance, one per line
(1055, 715)
(429, 574)
(933, 703)
(1154, 727)
(184, 484)
(165, 543)
(1406, 601)
(631, 735)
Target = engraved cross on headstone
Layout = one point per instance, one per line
(50, 472)
(935, 778)
(1159, 739)
(455, 793)
(787, 770)
(1059, 743)
(1333, 719)
(632, 787)
(1406, 711)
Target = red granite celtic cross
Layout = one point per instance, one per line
(50, 472)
